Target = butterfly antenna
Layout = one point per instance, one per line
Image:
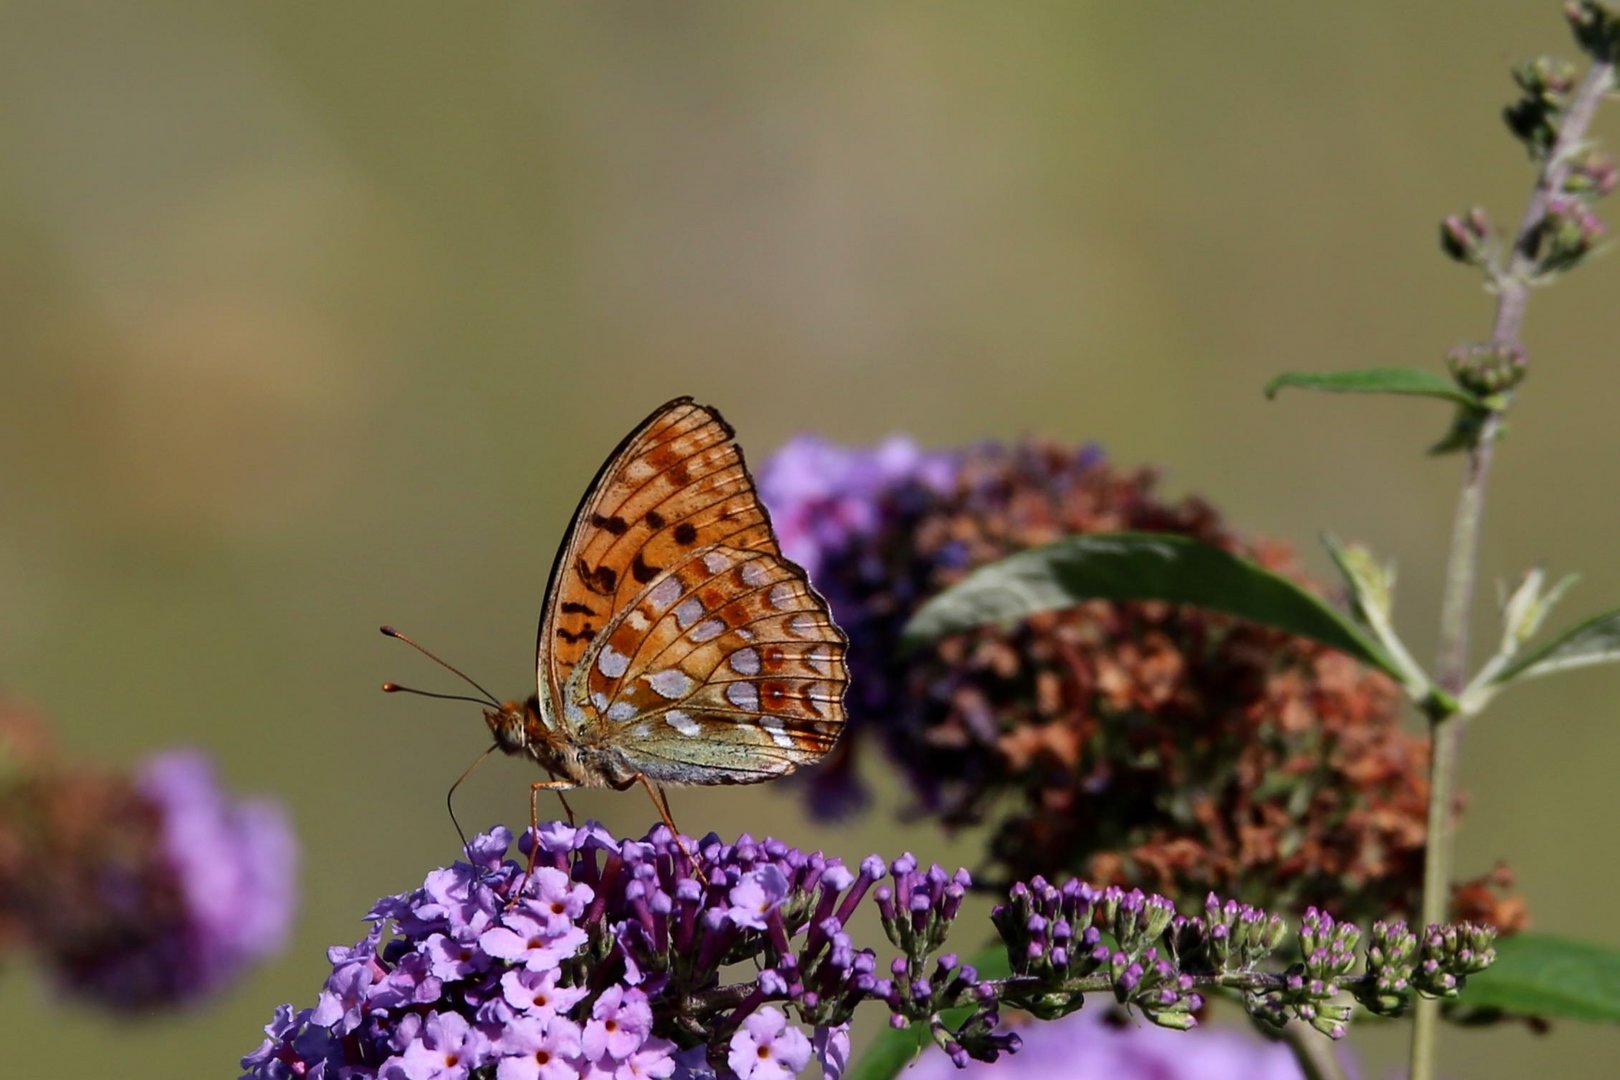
(395, 688)
(391, 632)
(449, 796)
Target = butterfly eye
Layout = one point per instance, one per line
(511, 735)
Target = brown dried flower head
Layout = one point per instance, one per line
(1158, 745)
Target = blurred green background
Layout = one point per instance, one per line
(317, 317)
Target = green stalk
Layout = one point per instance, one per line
(1313, 1052)
(1451, 667)
(1445, 728)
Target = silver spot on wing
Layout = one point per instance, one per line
(707, 630)
(744, 695)
(670, 683)
(612, 663)
(688, 612)
(682, 722)
(664, 594)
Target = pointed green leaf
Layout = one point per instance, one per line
(1546, 975)
(1372, 598)
(1137, 566)
(1595, 641)
(1413, 381)
(894, 1049)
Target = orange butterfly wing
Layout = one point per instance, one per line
(670, 529)
(729, 669)
(676, 481)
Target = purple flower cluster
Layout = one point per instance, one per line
(604, 960)
(145, 889)
(234, 863)
(1055, 937)
(826, 501)
(822, 495)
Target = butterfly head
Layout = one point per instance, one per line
(510, 726)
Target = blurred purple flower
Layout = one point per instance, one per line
(825, 501)
(1091, 1045)
(234, 861)
(820, 494)
(143, 889)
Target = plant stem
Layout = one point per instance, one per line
(1451, 667)
(1315, 1055)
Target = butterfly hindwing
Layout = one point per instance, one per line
(675, 485)
(727, 669)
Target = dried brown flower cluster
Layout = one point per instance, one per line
(80, 852)
(1152, 744)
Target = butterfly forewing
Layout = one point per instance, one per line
(727, 669)
(675, 635)
(675, 485)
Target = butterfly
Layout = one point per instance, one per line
(677, 645)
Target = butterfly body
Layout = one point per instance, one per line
(519, 731)
(676, 644)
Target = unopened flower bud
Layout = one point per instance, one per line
(1485, 369)
(1464, 237)
(1592, 172)
(1596, 28)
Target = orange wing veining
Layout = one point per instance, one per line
(676, 484)
(729, 669)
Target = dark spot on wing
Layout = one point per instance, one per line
(680, 475)
(584, 635)
(574, 607)
(602, 580)
(685, 533)
(654, 520)
(613, 524)
(642, 572)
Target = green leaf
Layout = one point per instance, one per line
(1372, 598)
(1137, 566)
(1546, 975)
(1412, 381)
(894, 1049)
(1595, 641)
(890, 1053)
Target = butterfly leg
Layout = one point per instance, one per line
(661, 803)
(558, 786)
